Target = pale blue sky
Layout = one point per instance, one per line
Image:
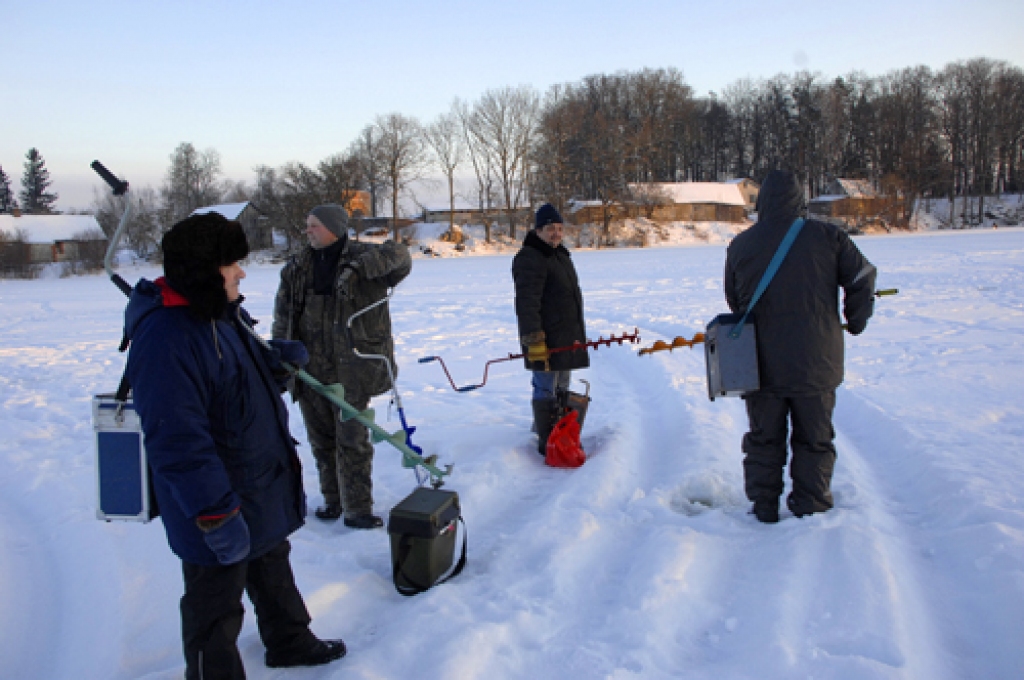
(271, 82)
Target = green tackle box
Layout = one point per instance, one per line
(422, 529)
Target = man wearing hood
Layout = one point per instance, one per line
(321, 288)
(225, 472)
(799, 345)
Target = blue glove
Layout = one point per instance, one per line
(292, 351)
(229, 541)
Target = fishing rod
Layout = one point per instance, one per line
(632, 338)
(679, 341)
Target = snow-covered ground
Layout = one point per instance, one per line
(641, 564)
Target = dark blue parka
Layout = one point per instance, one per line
(215, 427)
(549, 299)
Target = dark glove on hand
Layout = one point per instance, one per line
(291, 351)
(347, 282)
(229, 540)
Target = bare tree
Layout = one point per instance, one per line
(192, 181)
(503, 123)
(403, 154)
(445, 139)
(142, 234)
(365, 152)
(482, 167)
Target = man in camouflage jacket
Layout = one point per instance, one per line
(321, 287)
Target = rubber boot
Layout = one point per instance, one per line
(545, 414)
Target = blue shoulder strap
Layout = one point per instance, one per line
(769, 273)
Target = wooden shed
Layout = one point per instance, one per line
(257, 231)
(694, 201)
(849, 201)
(53, 238)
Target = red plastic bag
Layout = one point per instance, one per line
(564, 449)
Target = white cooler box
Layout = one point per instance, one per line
(122, 473)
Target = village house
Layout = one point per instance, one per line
(850, 202)
(42, 239)
(693, 201)
(749, 189)
(257, 231)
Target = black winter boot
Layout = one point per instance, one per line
(766, 511)
(545, 415)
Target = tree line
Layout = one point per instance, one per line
(913, 133)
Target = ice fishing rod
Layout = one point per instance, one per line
(120, 188)
(679, 341)
(633, 338)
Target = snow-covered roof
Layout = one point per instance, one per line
(719, 193)
(575, 206)
(229, 210)
(857, 188)
(827, 198)
(48, 228)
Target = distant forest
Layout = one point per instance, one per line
(912, 132)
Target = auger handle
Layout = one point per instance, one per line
(425, 360)
(120, 187)
(886, 291)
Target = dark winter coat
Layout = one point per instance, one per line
(549, 299)
(799, 332)
(215, 426)
(324, 330)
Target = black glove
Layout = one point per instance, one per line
(291, 351)
(227, 538)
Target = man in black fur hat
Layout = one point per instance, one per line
(321, 288)
(549, 309)
(799, 344)
(225, 472)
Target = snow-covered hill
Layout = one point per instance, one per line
(641, 564)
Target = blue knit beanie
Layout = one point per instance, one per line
(546, 214)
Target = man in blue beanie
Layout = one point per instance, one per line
(549, 309)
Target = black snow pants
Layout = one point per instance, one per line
(814, 454)
(212, 612)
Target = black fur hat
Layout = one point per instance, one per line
(194, 250)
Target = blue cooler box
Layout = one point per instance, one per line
(122, 473)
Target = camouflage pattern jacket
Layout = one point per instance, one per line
(321, 321)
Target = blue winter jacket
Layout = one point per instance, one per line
(215, 426)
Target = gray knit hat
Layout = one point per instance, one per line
(333, 217)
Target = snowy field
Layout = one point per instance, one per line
(641, 564)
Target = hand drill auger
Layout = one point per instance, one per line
(632, 338)
(679, 341)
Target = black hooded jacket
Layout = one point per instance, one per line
(549, 299)
(799, 331)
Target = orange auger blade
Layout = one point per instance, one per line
(678, 341)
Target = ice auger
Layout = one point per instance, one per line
(396, 397)
(632, 338)
(679, 341)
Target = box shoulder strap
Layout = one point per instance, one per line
(769, 273)
(413, 588)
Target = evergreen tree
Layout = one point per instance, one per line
(34, 184)
(6, 195)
